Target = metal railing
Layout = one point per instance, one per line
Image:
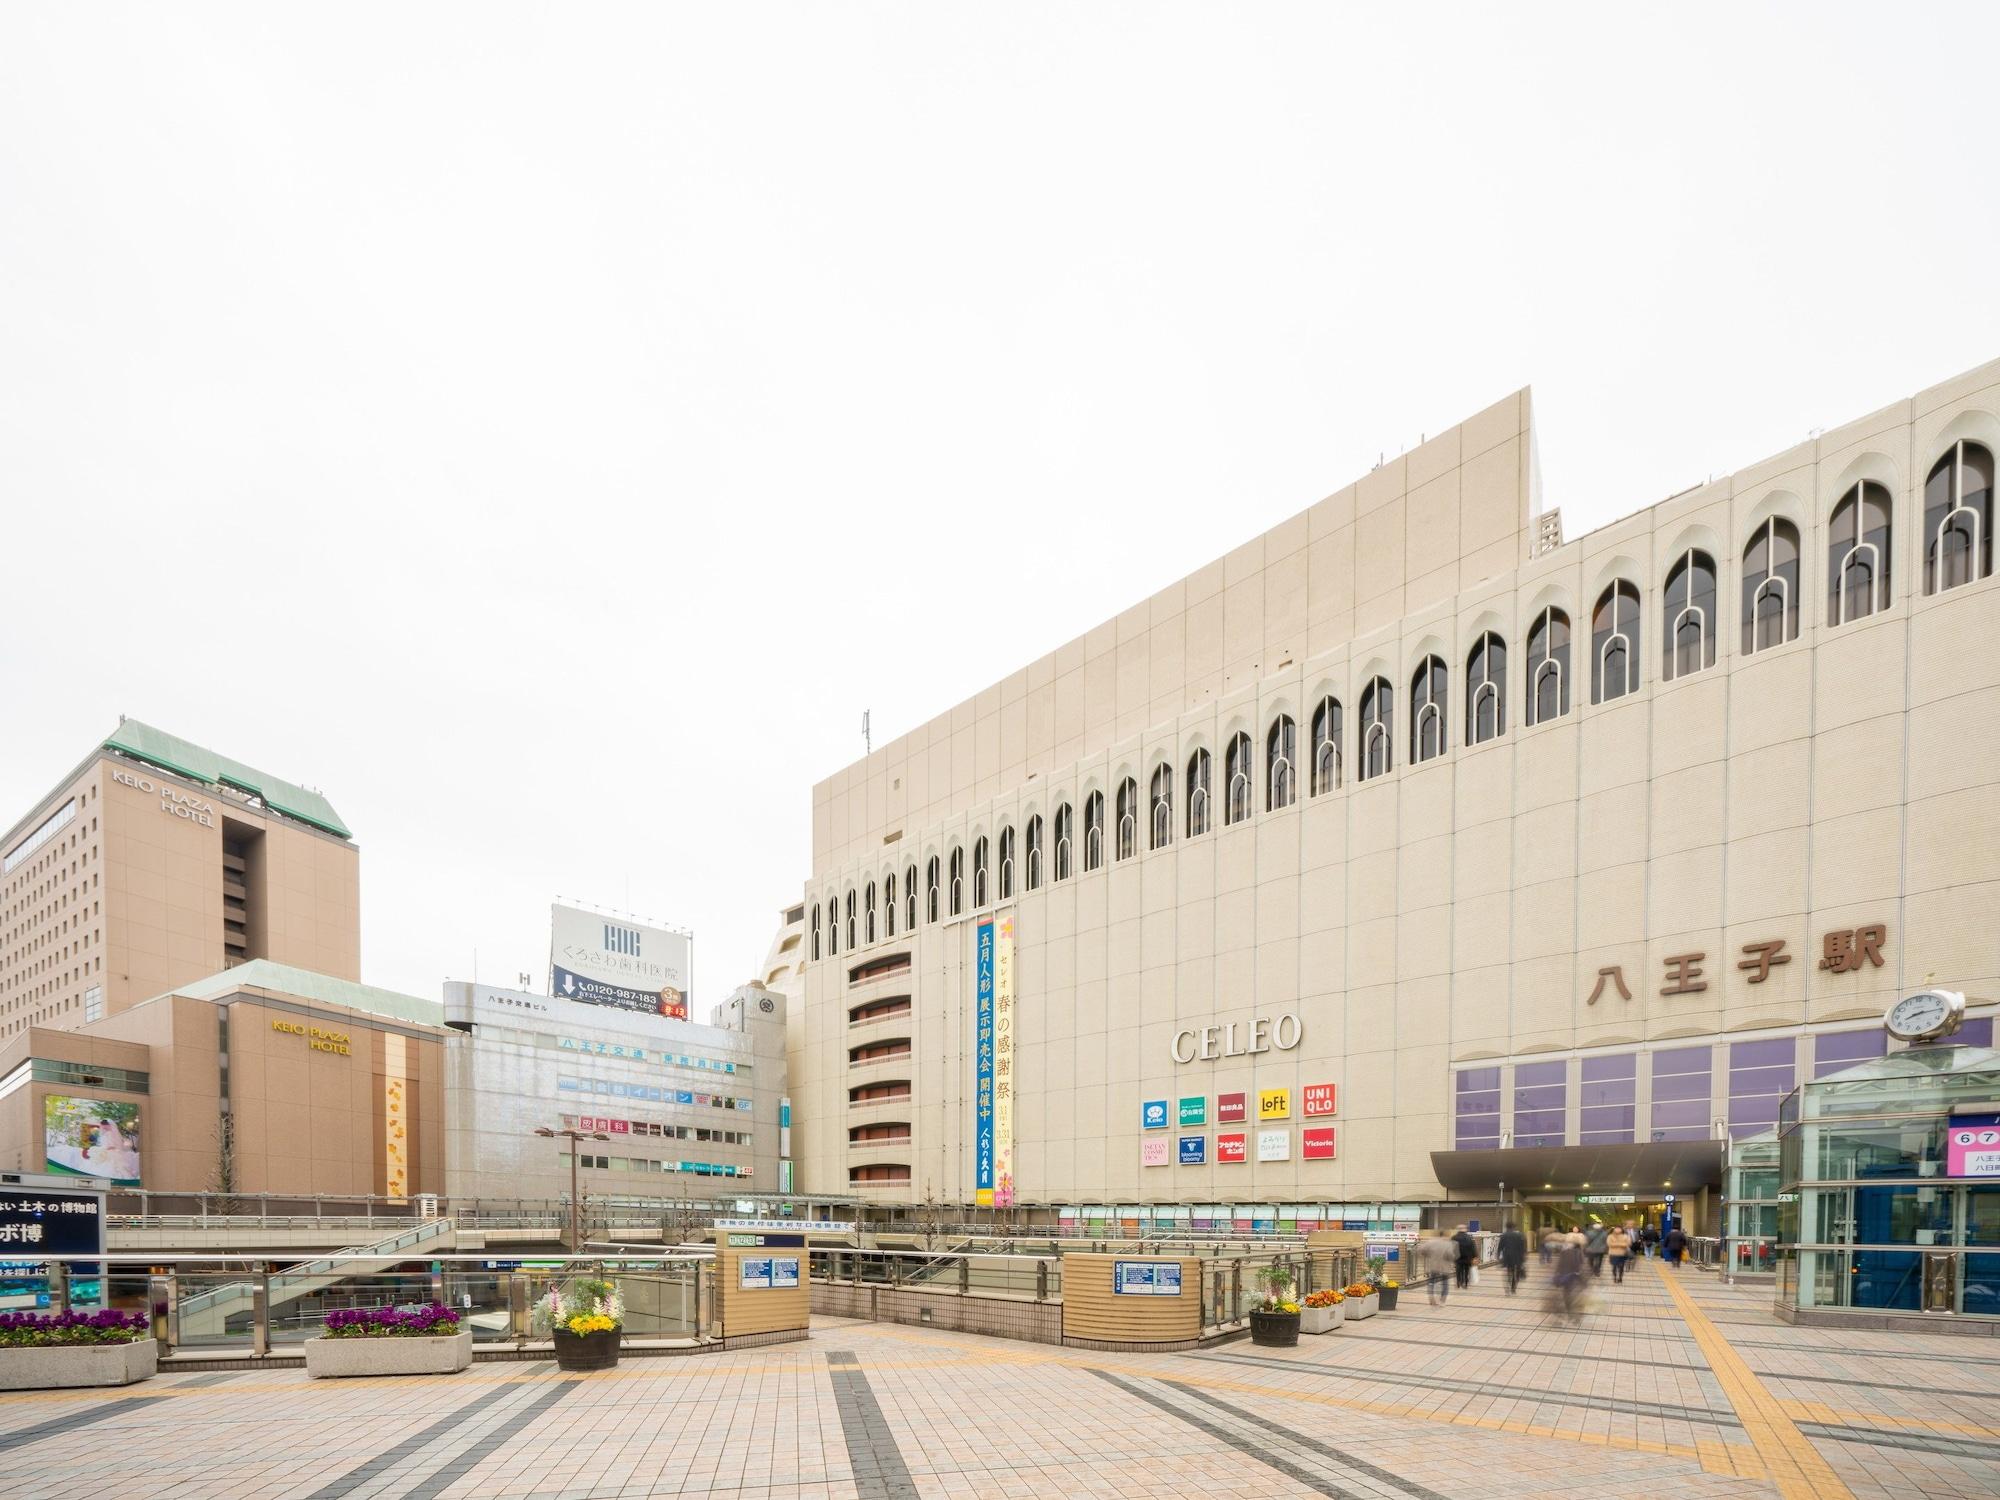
(1010, 1275)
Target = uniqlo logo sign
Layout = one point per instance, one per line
(1316, 1143)
(1230, 1148)
(1229, 1111)
(1318, 1099)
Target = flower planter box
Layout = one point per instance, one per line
(1274, 1330)
(1387, 1297)
(1359, 1307)
(1322, 1319)
(587, 1351)
(63, 1366)
(331, 1359)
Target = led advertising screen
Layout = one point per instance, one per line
(619, 962)
(91, 1138)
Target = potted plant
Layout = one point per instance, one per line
(424, 1339)
(52, 1351)
(1386, 1288)
(1360, 1300)
(586, 1319)
(1275, 1323)
(1323, 1311)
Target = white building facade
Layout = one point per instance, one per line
(1407, 841)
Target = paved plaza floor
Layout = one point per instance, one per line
(1673, 1385)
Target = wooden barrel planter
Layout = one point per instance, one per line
(587, 1351)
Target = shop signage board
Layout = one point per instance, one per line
(1146, 1278)
(1229, 1109)
(1194, 1150)
(1153, 1115)
(1972, 1146)
(1316, 1143)
(1274, 1145)
(1274, 1104)
(53, 1223)
(1317, 1099)
(1194, 1111)
(1231, 1148)
(1153, 1152)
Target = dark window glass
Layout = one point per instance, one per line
(1486, 690)
(1548, 666)
(1093, 831)
(1378, 744)
(1857, 554)
(1614, 643)
(1236, 769)
(1163, 807)
(1429, 703)
(1958, 518)
(1199, 792)
(1128, 818)
(1771, 586)
(1326, 746)
(1281, 758)
(1689, 616)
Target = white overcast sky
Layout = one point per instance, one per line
(546, 428)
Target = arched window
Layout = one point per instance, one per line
(851, 944)
(1486, 690)
(978, 874)
(1198, 793)
(1857, 554)
(1035, 852)
(1064, 841)
(889, 906)
(1688, 614)
(1281, 759)
(1958, 518)
(1163, 806)
(1548, 666)
(1093, 831)
(815, 932)
(1771, 586)
(931, 890)
(1326, 746)
(910, 897)
(1614, 643)
(1006, 863)
(833, 925)
(868, 910)
(957, 881)
(1430, 700)
(1128, 818)
(1378, 728)
(1236, 773)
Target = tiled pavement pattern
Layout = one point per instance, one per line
(1670, 1384)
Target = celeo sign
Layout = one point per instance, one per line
(1237, 1038)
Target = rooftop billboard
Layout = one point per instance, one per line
(619, 962)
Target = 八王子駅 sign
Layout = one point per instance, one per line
(1279, 1033)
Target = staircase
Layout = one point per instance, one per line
(206, 1315)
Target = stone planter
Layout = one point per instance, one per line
(587, 1351)
(1274, 1330)
(1387, 1296)
(64, 1366)
(1322, 1319)
(1359, 1307)
(330, 1359)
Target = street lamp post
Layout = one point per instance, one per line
(575, 1202)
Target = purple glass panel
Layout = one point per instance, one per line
(1478, 1078)
(1680, 1132)
(1843, 1049)
(1739, 1129)
(1759, 1107)
(1537, 1119)
(1539, 1072)
(1596, 1069)
(1682, 1060)
(1759, 1081)
(1487, 1101)
(1617, 1091)
(1609, 1117)
(1977, 1033)
(1479, 1143)
(1693, 1112)
(1681, 1086)
(1542, 1098)
(1765, 1054)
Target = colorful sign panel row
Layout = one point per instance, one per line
(1315, 1100)
(1316, 1143)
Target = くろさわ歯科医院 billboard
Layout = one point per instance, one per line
(615, 961)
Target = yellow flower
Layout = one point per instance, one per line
(584, 1323)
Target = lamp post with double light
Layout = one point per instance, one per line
(574, 1137)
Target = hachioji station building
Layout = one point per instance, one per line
(1410, 849)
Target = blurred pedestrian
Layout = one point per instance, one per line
(1595, 1241)
(1649, 1238)
(1468, 1255)
(1548, 1245)
(1437, 1261)
(1513, 1256)
(1675, 1244)
(1619, 1244)
(1566, 1289)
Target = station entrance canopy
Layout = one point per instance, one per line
(1656, 1166)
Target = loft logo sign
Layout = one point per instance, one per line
(1237, 1038)
(172, 799)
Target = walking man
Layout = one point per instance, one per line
(1468, 1255)
(1595, 1241)
(1513, 1256)
(1437, 1257)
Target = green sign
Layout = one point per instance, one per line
(1195, 1111)
(746, 1239)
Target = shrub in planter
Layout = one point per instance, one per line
(1323, 1312)
(425, 1339)
(49, 1351)
(1275, 1323)
(586, 1319)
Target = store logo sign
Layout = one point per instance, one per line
(1318, 1099)
(1229, 1109)
(1274, 1104)
(1153, 1115)
(1194, 1111)
(1194, 1150)
(1230, 1148)
(1316, 1143)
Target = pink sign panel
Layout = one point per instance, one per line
(1972, 1146)
(1153, 1151)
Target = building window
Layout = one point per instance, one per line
(978, 874)
(1163, 806)
(1834, 1051)
(910, 898)
(889, 906)
(1430, 697)
(1128, 818)
(815, 948)
(1486, 690)
(1093, 831)
(1689, 615)
(1760, 1074)
(1198, 774)
(1063, 841)
(1608, 1100)
(1540, 1101)
(1236, 770)
(1958, 518)
(1477, 1112)
(1006, 863)
(957, 881)
(833, 925)
(1281, 758)
(1326, 746)
(1614, 643)
(1771, 586)
(1857, 554)
(1378, 746)
(931, 890)
(1680, 1093)
(1035, 852)
(868, 909)
(851, 944)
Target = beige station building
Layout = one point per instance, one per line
(1409, 848)
(156, 862)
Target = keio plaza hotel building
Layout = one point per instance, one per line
(1409, 849)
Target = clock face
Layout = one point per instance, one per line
(1919, 1015)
